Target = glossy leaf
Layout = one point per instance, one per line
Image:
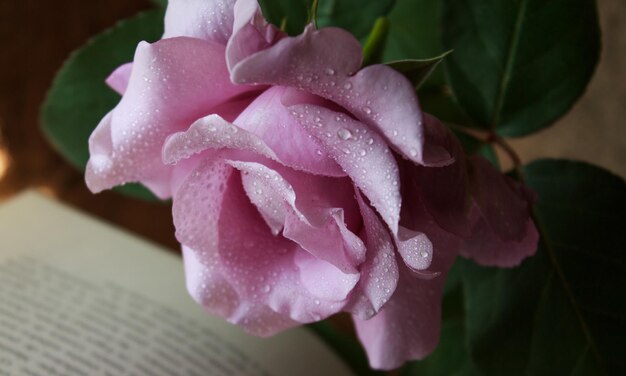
(356, 16)
(293, 14)
(415, 33)
(519, 65)
(417, 70)
(563, 311)
(79, 98)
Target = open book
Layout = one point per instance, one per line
(79, 297)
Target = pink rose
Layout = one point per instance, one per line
(302, 185)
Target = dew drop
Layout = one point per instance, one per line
(362, 152)
(347, 86)
(424, 254)
(344, 134)
(367, 110)
(266, 288)
(330, 71)
(413, 152)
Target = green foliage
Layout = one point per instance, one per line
(160, 3)
(356, 16)
(519, 65)
(417, 70)
(415, 34)
(79, 98)
(562, 311)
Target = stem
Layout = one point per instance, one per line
(375, 41)
(494, 138)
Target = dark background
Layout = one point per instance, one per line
(36, 36)
(35, 39)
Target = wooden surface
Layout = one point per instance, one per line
(36, 36)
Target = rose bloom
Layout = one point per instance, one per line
(303, 185)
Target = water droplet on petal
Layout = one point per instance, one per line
(347, 86)
(344, 134)
(330, 71)
(413, 152)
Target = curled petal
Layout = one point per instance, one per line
(212, 132)
(362, 154)
(379, 272)
(415, 248)
(118, 80)
(167, 92)
(488, 249)
(325, 62)
(271, 121)
(321, 231)
(204, 19)
(442, 190)
(503, 233)
(251, 32)
(236, 268)
(502, 203)
(408, 325)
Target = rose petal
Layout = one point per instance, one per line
(323, 279)
(379, 272)
(251, 32)
(407, 327)
(501, 202)
(320, 230)
(118, 80)
(362, 154)
(205, 19)
(166, 93)
(443, 190)
(415, 248)
(488, 249)
(323, 62)
(235, 267)
(212, 132)
(270, 120)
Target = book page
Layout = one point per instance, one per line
(79, 297)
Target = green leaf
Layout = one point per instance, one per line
(563, 311)
(356, 16)
(79, 98)
(415, 33)
(375, 42)
(160, 3)
(417, 70)
(292, 13)
(346, 346)
(414, 30)
(518, 65)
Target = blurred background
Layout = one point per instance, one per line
(37, 36)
